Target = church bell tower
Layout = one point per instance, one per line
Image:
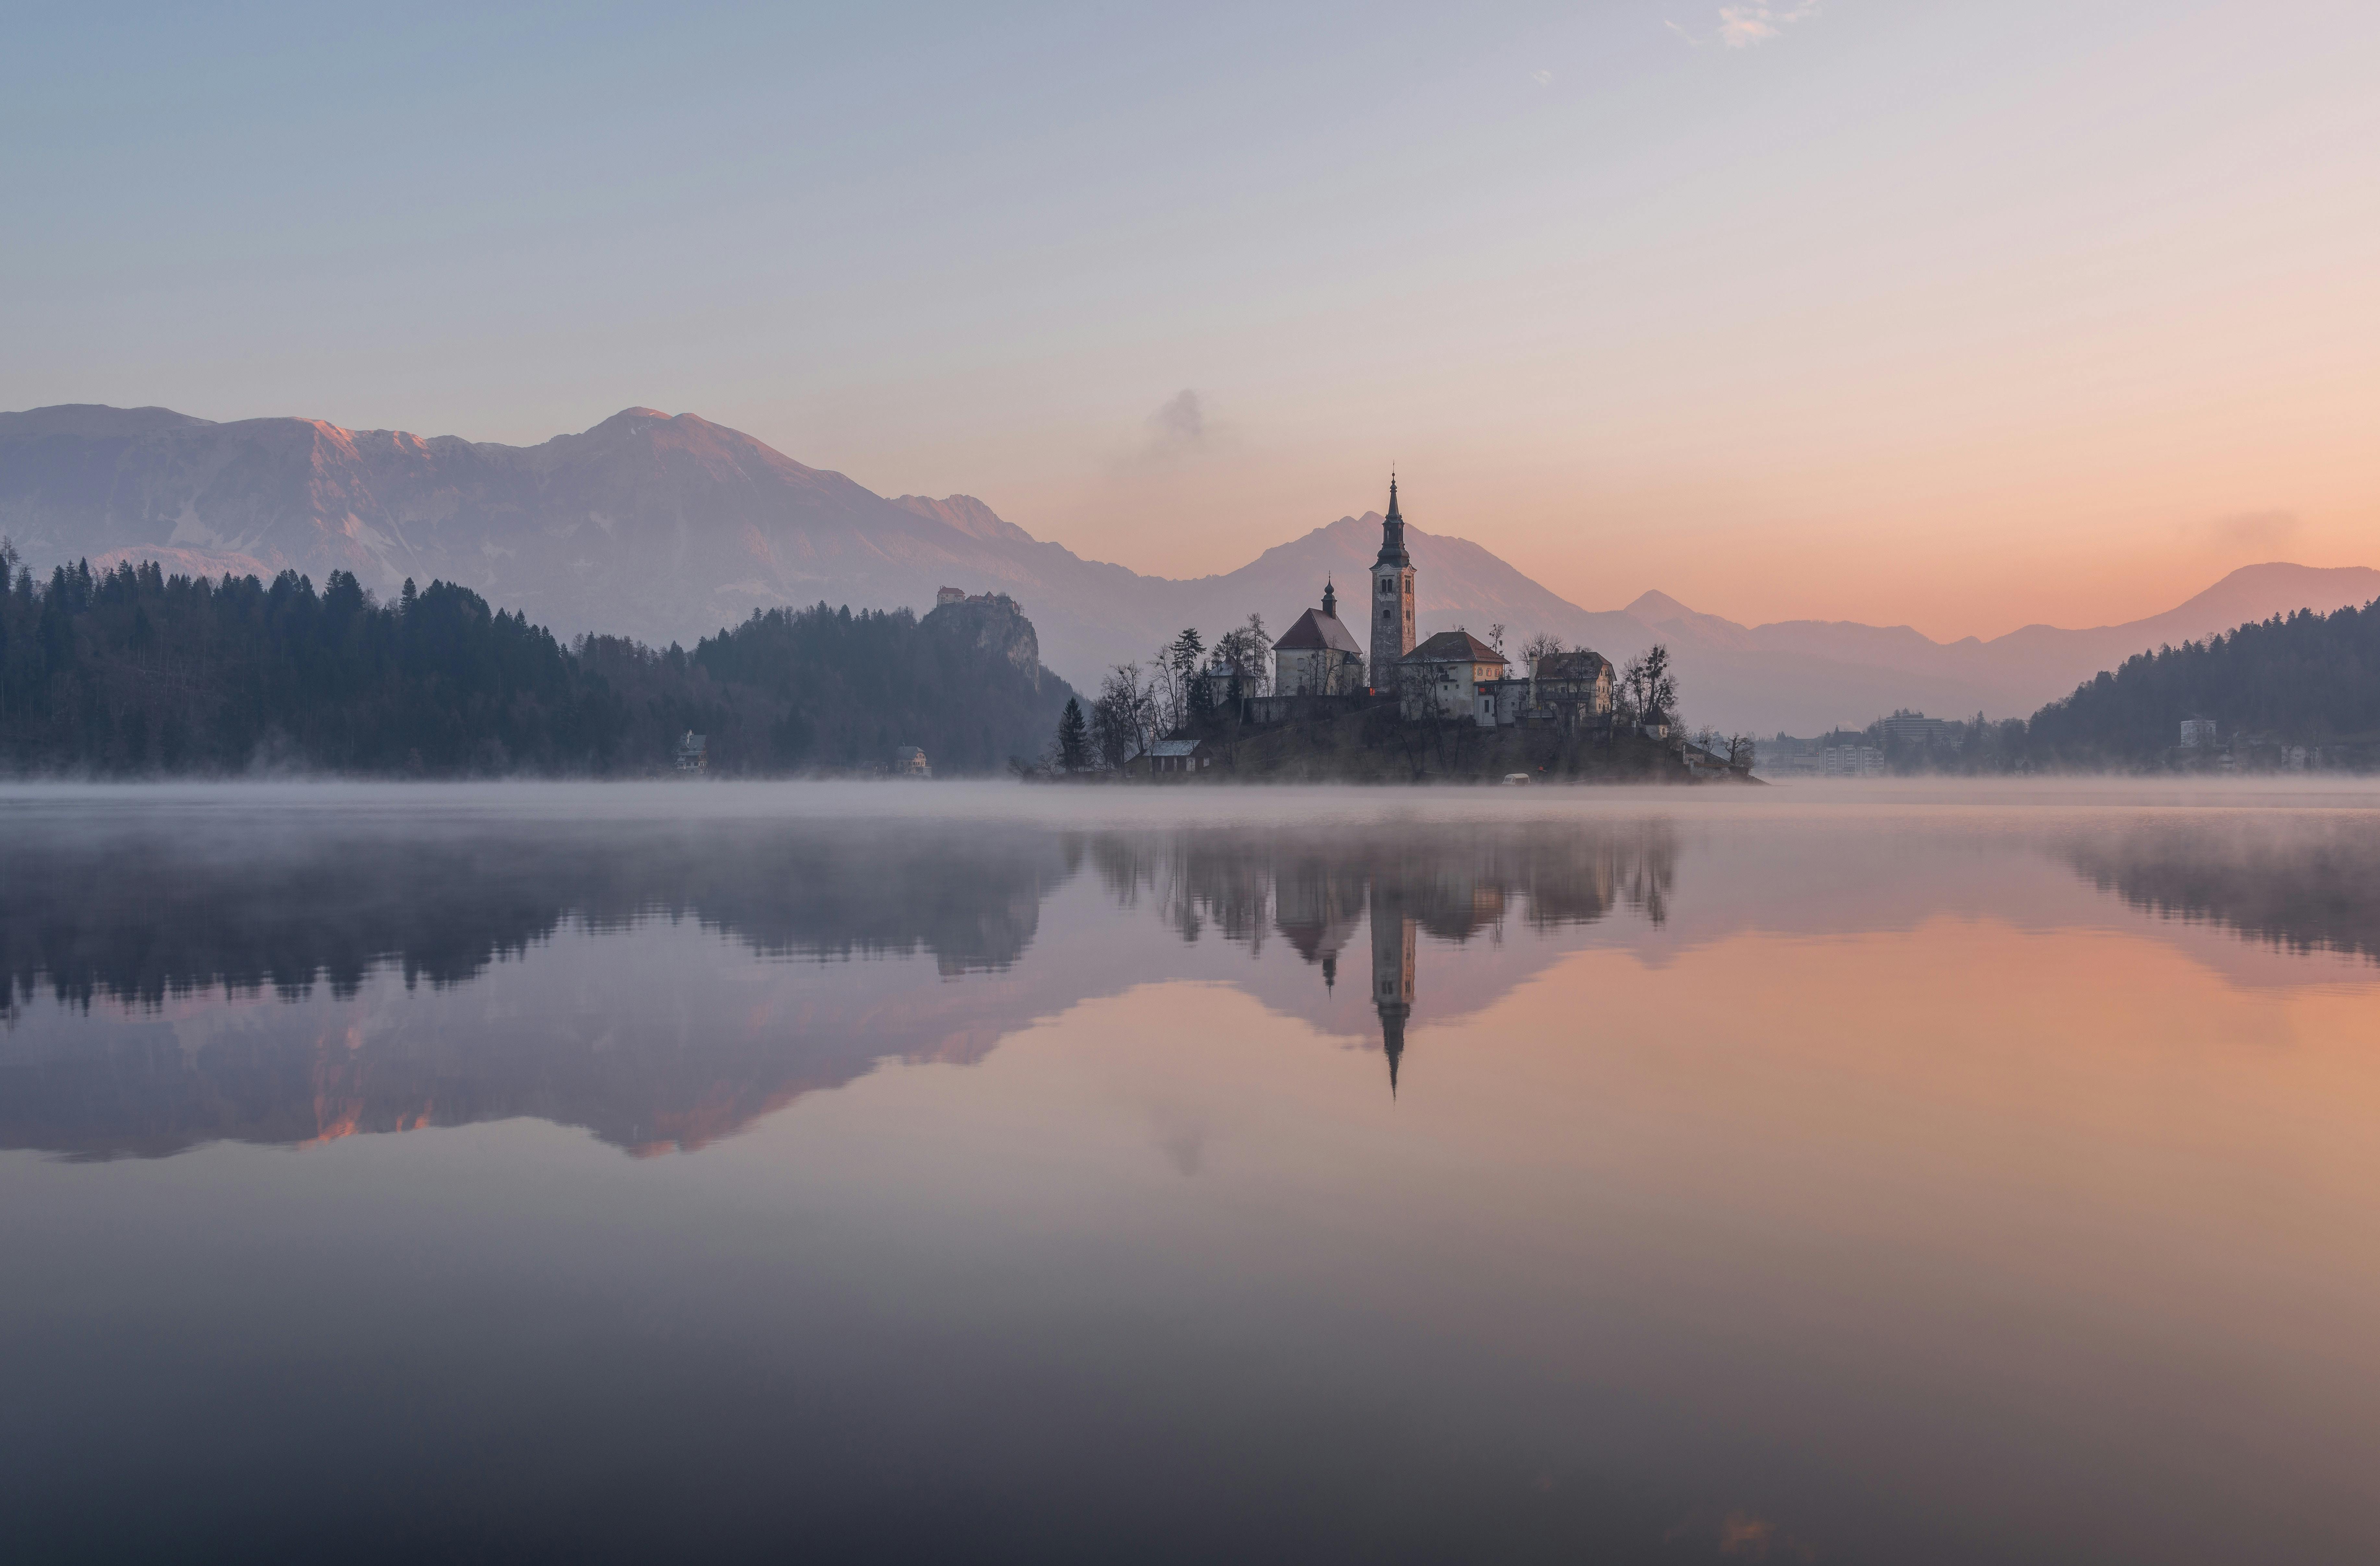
(1392, 598)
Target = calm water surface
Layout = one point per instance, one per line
(941, 1172)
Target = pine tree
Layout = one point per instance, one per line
(1074, 738)
(1185, 653)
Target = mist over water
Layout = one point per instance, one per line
(932, 1171)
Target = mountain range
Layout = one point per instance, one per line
(667, 528)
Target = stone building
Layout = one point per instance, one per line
(1319, 655)
(1453, 674)
(1391, 614)
(1571, 689)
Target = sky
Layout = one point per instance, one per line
(1963, 316)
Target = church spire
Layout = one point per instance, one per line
(1392, 532)
(1330, 598)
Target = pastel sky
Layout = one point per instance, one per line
(1961, 315)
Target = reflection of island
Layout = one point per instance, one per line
(1452, 883)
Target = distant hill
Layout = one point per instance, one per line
(2308, 679)
(1830, 673)
(670, 528)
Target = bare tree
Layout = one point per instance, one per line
(1168, 692)
(1648, 686)
(1496, 637)
(1123, 716)
(1539, 648)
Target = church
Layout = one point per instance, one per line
(1319, 656)
(1451, 675)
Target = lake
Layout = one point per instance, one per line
(954, 1171)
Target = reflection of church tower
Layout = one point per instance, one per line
(1392, 598)
(1393, 974)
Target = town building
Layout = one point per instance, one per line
(1453, 674)
(1319, 655)
(693, 753)
(910, 763)
(1392, 614)
(1914, 731)
(2198, 733)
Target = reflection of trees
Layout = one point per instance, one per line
(1190, 889)
(2303, 886)
(139, 920)
(642, 1064)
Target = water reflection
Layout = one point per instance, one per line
(852, 942)
(139, 916)
(1316, 886)
(1730, 1184)
(2303, 886)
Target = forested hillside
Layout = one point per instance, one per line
(2308, 679)
(826, 687)
(129, 673)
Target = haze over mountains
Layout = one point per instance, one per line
(667, 529)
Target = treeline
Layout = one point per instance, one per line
(128, 672)
(2307, 679)
(834, 688)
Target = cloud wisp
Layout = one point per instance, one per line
(2245, 531)
(1182, 432)
(1178, 424)
(1741, 27)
